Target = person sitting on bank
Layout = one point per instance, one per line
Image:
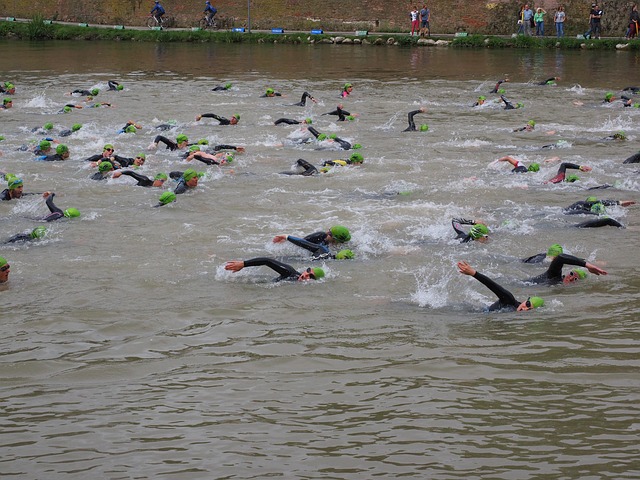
(287, 272)
(222, 120)
(506, 301)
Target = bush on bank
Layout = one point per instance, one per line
(38, 29)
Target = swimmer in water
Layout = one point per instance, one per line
(291, 121)
(529, 127)
(553, 251)
(479, 232)
(182, 141)
(549, 81)
(303, 100)
(561, 175)
(222, 120)
(143, 181)
(412, 125)
(287, 272)
(518, 166)
(5, 269)
(35, 234)
(57, 213)
(508, 105)
(347, 89)
(62, 153)
(114, 86)
(270, 92)
(318, 251)
(506, 301)
(222, 88)
(498, 84)
(553, 275)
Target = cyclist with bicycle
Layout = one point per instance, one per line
(210, 11)
(158, 12)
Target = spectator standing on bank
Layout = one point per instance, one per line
(527, 18)
(425, 15)
(559, 18)
(415, 20)
(538, 18)
(594, 22)
(634, 22)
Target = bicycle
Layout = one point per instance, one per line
(163, 22)
(206, 23)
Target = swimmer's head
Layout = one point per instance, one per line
(347, 86)
(519, 105)
(598, 208)
(572, 178)
(482, 98)
(66, 109)
(119, 87)
(182, 138)
(71, 213)
(531, 123)
(38, 232)
(194, 148)
(424, 127)
(44, 145)
(534, 167)
(322, 137)
(227, 86)
(536, 302)
(308, 121)
(620, 135)
(48, 126)
(356, 146)
(14, 182)
(95, 91)
(161, 176)
(608, 96)
(502, 91)
(203, 141)
(340, 234)
(555, 250)
(356, 158)
(76, 127)
(104, 167)
(351, 118)
(479, 231)
(345, 255)
(62, 149)
(7, 100)
(189, 174)
(269, 92)
(317, 273)
(130, 129)
(574, 275)
(108, 146)
(167, 197)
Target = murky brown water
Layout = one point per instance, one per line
(128, 352)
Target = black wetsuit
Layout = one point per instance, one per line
(318, 250)
(506, 301)
(287, 272)
(495, 89)
(537, 258)
(633, 158)
(117, 162)
(548, 81)
(51, 158)
(507, 104)
(562, 171)
(274, 94)
(412, 125)
(553, 275)
(163, 127)
(584, 207)
(19, 238)
(222, 120)
(5, 195)
(142, 180)
(343, 143)
(303, 100)
(86, 93)
(308, 169)
(600, 222)
(462, 235)
(99, 176)
(208, 161)
(171, 145)
(320, 238)
(341, 113)
(56, 213)
(288, 121)
(219, 88)
(65, 133)
(113, 85)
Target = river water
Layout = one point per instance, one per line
(128, 351)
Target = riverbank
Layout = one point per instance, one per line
(39, 29)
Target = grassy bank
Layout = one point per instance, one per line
(38, 29)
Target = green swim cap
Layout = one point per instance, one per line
(71, 213)
(356, 158)
(14, 182)
(119, 87)
(38, 232)
(48, 126)
(182, 138)
(7, 100)
(230, 156)
(519, 105)
(501, 91)
(356, 146)
(189, 174)
(592, 199)
(66, 109)
(60, 149)
(95, 91)
(194, 148)
(76, 127)
(340, 233)
(3, 261)
(236, 116)
(581, 273)
(479, 230)
(424, 127)
(534, 167)
(532, 123)
(345, 255)
(322, 137)
(142, 156)
(130, 129)
(9, 85)
(318, 273)
(1, 138)
(161, 176)
(167, 197)
(598, 208)
(270, 91)
(333, 136)
(44, 144)
(351, 118)
(482, 97)
(97, 105)
(308, 121)
(536, 302)
(203, 141)
(108, 146)
(620, 135)
(571, 178)
(105, 167)
(227, 86)
(347, 85)
(201, 174)
(608, 96)
(325, 169)
(555, 250)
